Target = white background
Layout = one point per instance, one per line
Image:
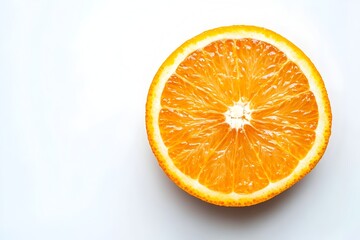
(74, 158)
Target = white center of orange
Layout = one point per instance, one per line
(238, 115)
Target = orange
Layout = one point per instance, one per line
(237, 115)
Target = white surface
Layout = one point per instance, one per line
(74, 157)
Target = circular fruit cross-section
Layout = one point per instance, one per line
(237, 115)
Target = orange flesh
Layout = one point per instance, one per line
(262, 146)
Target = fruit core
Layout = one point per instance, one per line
(238, 115)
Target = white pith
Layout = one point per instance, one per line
(238, 115)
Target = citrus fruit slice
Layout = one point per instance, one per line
(237, 115)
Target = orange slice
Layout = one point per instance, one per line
(237, 115)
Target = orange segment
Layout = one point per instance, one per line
(277, 162)
(249, 171)
(256, 66)
(180, 94)
(233, 116)
(285, 83)
(215, 171)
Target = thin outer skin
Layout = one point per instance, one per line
(248, 200)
